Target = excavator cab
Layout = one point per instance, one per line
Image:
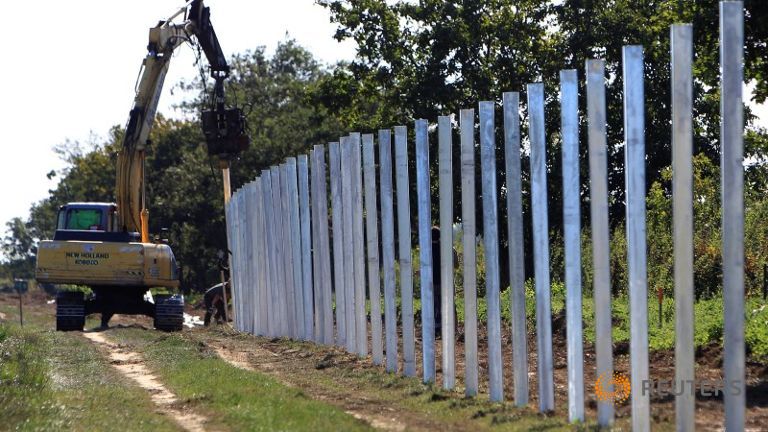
(91, 222)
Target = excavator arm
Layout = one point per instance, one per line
(224, 128)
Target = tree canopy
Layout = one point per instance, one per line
(421, 59)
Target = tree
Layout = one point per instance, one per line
(19, 249)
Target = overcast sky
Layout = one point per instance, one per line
(69, 69)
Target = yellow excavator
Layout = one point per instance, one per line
(106, 246)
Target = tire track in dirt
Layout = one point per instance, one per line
(132, 365)
(266, 363)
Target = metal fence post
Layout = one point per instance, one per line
(445, 156)
(388, 247)
(282, 323)
(511, 106)
(361, 329)
(334, 158)
(295, 237)
(732, 178)
(491, 243)
(324, 267)
(681, 47)
(261, 258)
(634, 137)
(269, 234)
(425, 250)
(290, 286)
(569, 112)
(404, 246)
(598, 205)
(253, 263)
(469, 283)
(317, 286)
(306, 247)
(541, 245)
(372, 237)
(348, 245)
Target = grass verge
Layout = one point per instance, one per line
(59, 381)
(232, 398)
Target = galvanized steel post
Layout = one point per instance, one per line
(404, 246)
(372, 237)
(388, 247)
(361, 323)
(445, 159)
(634, 153)
(334, 158)
(598, 206)
(306, 248)
(541, 245)
(732, 178)
(348, 245)
(425, 250)
(511, 107)
(569, 114)
(681, 48)
(469, 283)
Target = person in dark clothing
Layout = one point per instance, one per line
(214, 303)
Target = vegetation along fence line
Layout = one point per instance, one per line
(294, 263)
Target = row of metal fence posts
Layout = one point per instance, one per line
(278, 229)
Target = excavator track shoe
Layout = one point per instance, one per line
(169, 312)
(70, 311)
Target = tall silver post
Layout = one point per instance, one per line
(404, 246)
(388, 247)
(468, 196)
(491, 243)
(541, 245)
(682, 213)
(315, 214)
(298, 278)
(253, 302)
(447, 321)
(279, 254)
(290, 286)
(306, 247)
(334, 157)
(372, 238)
(349, 262)
(511, 106)
(269, 237)
(732, 178)
(361, 330)
(634, 137)
(324, 266)
(569, 113)
(598, 207)
(425, 250)
(259, 243)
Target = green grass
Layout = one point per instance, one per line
(58, 381)
(231, 397)
(708, 318)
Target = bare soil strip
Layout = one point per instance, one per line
(265, 361)
(131, 364)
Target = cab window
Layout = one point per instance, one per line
(84, 219)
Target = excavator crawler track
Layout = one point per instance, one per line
(169, 312)
(70, 311)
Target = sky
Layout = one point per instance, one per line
(70, 68)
